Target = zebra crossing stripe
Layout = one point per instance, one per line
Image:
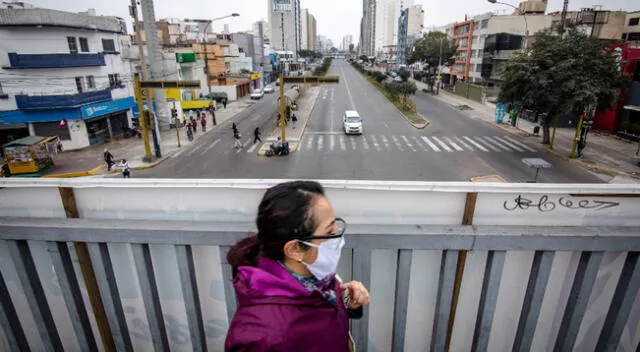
(343, 145)
(386, 142)
(406, 140)
(509, 144)
(253, 147)
(309, 142)
(483, 142)
(365, 143)
(320, 142)
(476, 144)
(375, 143)
(520, 144)
(422, 146)
(496, 143)
(353, 143)
(464, 144)
(442, 144)
(453, 144)
(332, 142)
(430, 143)
(397, 143)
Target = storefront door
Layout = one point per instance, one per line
(119, 124)
(98, 130)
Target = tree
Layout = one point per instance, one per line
(404, 74)
(333, 49)
(428, 51)
(574, 73)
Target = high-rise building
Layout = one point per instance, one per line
(265, 29)
(368, 28)
(285, 25)
(347, 40)
(308, 37)
(410, 24)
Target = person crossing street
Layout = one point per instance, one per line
(203, 122)
(236, 139)
(256, 135)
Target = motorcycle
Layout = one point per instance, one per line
(275, 151)
(132, 132)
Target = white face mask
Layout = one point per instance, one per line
(328, 257)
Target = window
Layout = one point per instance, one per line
(634, 36)
(634, 21)
(91, 83)
(484, 24)
(108, 45)
(624, 36)
(52, 129)
(79, 84)
(84, 45)
(475, 39)
(73, 45)
(479, 68)
(114, 81)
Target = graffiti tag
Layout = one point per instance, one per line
(545, 204)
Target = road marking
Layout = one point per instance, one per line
(464, 143)
(331, 118)
(509, 144)
(375, 143)
(244, 146)
(353, 143)
(365, 143)
(408, 143)
(417, 141)
(210, 146)
(343, 145)
(323, 133)
(496, 143)
(309, 142)
(386, 142)
(476, 144)
(442, 144)
(346, 84)
(430, 143)
(397, 143)
(453, 144)
(195, 149)
(483, 142)
(253, 147)
(320, 143)
(332, 142)
(520, 144)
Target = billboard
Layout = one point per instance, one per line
(282, 6)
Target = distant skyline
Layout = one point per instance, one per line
(335, 18)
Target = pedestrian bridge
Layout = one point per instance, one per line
(107, 264)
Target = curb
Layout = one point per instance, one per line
(516, 132)
(605, 170)
(90, 172)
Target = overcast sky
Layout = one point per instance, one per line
(335, 18)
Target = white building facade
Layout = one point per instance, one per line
(62, 74)
(285, 16)
(347, 40)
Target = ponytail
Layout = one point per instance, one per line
(244, 253)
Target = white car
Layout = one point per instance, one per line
(268, 89)
(352, 122)
(257, 94)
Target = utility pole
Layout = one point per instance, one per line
(439, 66)
(563, 16)
(133, 10)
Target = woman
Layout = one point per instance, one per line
(289, 297)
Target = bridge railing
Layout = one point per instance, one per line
(103, 265)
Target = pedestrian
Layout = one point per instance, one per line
(108, 158)
(234, 127)
(189, 131)
(224, 103)
(194, 125)
(203, 122)
(288, 270)
(126, 172)
(191, 115)
(236, 139)
(212, 110)
(256, 135)
(294, 119)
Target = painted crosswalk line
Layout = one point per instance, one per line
(343, 144)
(397, 143)
(519, 144)
(408, 143)
(430, 144)
(442, 144)
(475, 144)
(494, 142)
(203, 152)
(453, 144)
(486, 144)
(375, 143)
(508, 144)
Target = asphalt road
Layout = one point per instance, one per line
(454, 147)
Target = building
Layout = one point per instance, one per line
(308, 31)
(285, 25)
(596, 23)
(253, 47)
(631, 31)
(265, 29)
(410, 24)
(462, 37)
(61, 74)
(347, 41)
(368, 28)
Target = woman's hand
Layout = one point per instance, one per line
(358, 293)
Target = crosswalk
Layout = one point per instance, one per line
(332, 142)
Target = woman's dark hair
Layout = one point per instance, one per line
(284, 214)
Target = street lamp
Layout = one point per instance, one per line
(526, 25)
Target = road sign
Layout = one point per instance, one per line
(169, 84)
(312, 79)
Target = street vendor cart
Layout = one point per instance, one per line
(31, 156)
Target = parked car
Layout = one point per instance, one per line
(257, 94)
(268, 89)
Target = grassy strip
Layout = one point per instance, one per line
(412, 116)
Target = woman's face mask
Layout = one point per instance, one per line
(328, 257)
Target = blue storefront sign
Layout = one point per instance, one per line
(107, 107)
(500, 112)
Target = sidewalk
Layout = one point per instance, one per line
(89, 161)
(604, 153)
(306, 102)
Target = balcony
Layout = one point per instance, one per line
(61, 101)
(22, 61)
(544, 267)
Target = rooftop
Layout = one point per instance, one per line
(39, 17)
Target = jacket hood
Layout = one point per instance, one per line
(270, 283)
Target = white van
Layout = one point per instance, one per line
(352, 122)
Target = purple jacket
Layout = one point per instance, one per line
(276, 313)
